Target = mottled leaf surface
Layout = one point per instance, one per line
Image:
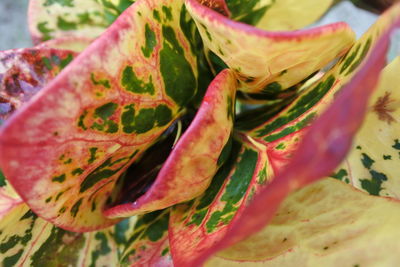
(49, 19)
(299, 154)
(98, 115)
(196, 157)
(196, 225)
(277, 15)
(372, 164)
(324, 224)
(26, 240)
(148, 244)
(267, 61)
(24, 72)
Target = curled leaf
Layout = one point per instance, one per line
(98, 116)
(277, 15)
(49, 19)
(196, 156)
(196, 225)
(267, 61)
(324, 224)
(35, 242)
(323, 144)
(372, 163)
(148, 244)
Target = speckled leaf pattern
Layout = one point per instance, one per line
(324, 224)
(9, 199)
(148, 244)
(198, 224)
(269, 62)
(372, 164)
(98, 116)
(296, 155)
(314, 99)
(277, 15)
(24, 72)
(49, 19)
(26, 240)
(196, 156)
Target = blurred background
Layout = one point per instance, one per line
(14, 31)
(13, 24)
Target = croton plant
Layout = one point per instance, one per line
(195, 132)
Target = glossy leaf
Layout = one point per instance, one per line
(49, 19)
(296, 165)
(266, 61)
(195, 226)
(26, 240)
(148, 244)
(24, 72)
(98, 116)
(277, 15)
(196, 157)
(324, 224)
(372, 164)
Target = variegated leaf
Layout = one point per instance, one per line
(148, 244)
(372, 164)
(267, 61)
(277, 15)
(196, 225)
(195, 158)
(49, 19)
(323, 224)
(26, 240)
(98, 116)
(323, 145)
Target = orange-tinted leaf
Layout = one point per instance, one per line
(196, 225)
(322, 147)
(267, 61)
(196, 156)
(98, 115)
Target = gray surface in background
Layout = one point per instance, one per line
(13, 24)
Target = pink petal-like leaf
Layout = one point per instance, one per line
(195, 226)
(295, 165)
(99, 114)
(269, 61)
(196, 157)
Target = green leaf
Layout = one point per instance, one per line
(372, 163)
(196, 156)
(35, 242)
(269, 61)
(148, 244)
(95, 118)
